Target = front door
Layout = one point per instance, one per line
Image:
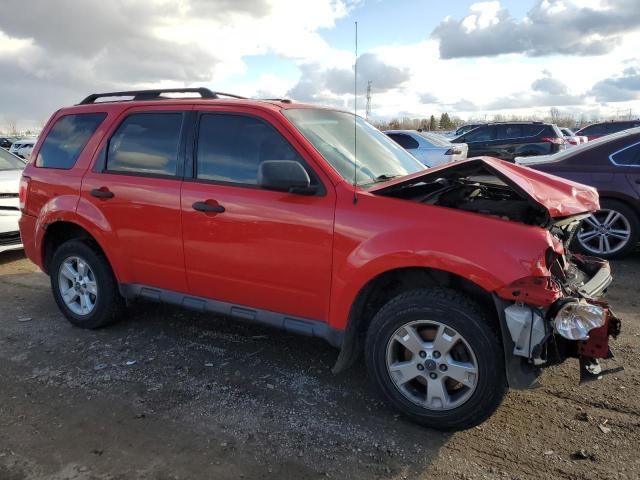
(254, 247)
(135, 184)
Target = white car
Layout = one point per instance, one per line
(431, 149)
(24, 145)
(10, 172)
(571, 138)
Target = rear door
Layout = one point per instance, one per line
(262, 249)
(135, 184)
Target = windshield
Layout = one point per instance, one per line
(332, 134)
(10, 162)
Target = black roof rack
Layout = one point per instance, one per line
(156, 94)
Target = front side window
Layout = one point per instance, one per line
(67, 138)
(231, 148)
(481, 134)
(146, 143)
(629, 156)
(376, 156)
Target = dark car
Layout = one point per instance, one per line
(597, 130)
(466, 128)
(508, 140)
(612, 165)
(5, 142)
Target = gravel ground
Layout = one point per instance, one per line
(172, 394)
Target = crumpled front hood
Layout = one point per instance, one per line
(560, 197)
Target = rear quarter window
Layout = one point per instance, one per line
(628, 156)
(67, 138)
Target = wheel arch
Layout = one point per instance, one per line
(60, 231)
(388, 284)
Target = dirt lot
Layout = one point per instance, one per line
(170, 394)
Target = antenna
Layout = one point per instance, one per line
(368, 109)
(355, 122)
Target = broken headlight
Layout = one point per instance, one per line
(575, 320)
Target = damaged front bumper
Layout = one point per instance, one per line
(577, 324)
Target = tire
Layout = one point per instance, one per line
(479, 344)
(628, 220)
(107, 303)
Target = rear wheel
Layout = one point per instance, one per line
(437, 359)
(612, 231)
(84, 286)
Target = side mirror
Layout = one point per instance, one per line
(285, 176)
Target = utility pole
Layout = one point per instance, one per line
(368, 109)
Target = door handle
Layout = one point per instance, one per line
(102, 192)
(208, 207)
(637, 180)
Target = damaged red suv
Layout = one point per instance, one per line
(455, 282)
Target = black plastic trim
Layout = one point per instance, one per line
(282, 321)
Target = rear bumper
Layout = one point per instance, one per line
(28, 234)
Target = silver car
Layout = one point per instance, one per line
(429, 148)
(10, 172)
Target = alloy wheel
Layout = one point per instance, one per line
(604, 232)
(77, 285)
(432, 365)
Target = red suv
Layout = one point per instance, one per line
(454, 282)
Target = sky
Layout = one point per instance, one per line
(422, 57)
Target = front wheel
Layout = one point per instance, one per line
(437, 359)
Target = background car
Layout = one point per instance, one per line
(597, 130)
(510, 139)
(430, 148)
(21, 143)
(466, 128)
(25, 151)
(571, 138)
(10, 172)
(5, 142)
(612, 165)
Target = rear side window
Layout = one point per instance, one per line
(231, 147)
(509, 131)
(532, 130)
(627, 156)
(67, 138)
(405, 141)
(481, 134)
(146, 143)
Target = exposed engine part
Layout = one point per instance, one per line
(528, 332)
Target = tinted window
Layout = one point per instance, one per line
(628, 156)
(67, 138)
(231, 147)
(509, 131)
(598, 129)
(480, 134)
(532, 130)
(146, 143)
(405, 141)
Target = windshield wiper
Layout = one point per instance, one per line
(386, 176)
